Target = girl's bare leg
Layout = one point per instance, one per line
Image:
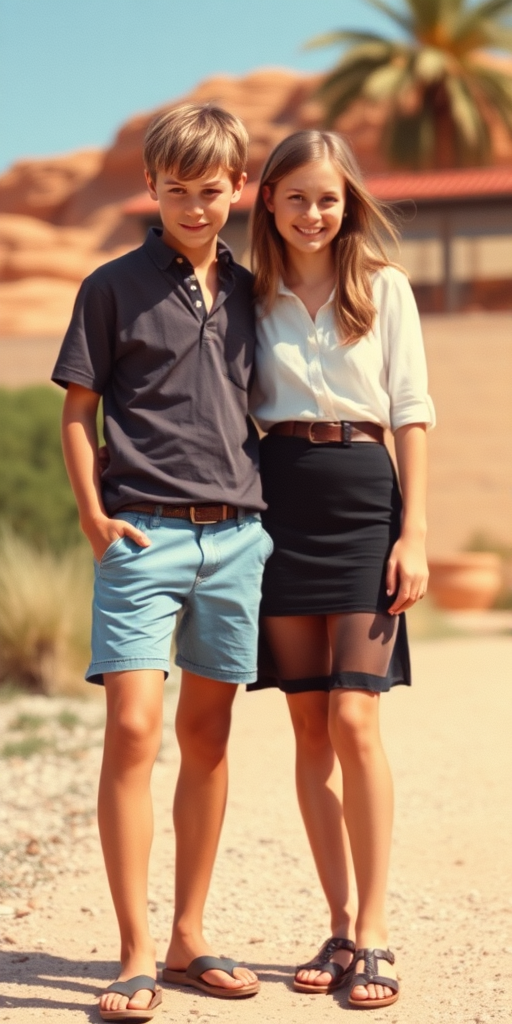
(300, 645)
(203, 721)
(368, 804)
(319, 789)
(125, 816)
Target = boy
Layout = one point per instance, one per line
(165, 335)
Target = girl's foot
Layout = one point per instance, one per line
(185, 948)
(374, 982)
(328, 969)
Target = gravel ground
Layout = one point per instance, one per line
(450, 896)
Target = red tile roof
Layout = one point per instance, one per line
(451, 184)
(413, 185)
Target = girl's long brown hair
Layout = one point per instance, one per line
(358, 246)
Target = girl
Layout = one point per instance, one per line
(340, 359)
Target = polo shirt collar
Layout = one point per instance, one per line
(163, 255)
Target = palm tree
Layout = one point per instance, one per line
(440, 93)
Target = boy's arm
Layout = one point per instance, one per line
(80, 447)
(407, 568)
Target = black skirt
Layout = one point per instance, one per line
(334, 514)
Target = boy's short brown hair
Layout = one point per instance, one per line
(193, 138)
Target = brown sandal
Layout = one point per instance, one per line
(371, 976)
(322, 962)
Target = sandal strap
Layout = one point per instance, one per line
(334, 970)
(323, 957)
(374, 979)
(133, 985)
(371, 974)
(210, 963)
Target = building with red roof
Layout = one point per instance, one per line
(455, 227)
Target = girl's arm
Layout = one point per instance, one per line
(80, 447)
(407, 570)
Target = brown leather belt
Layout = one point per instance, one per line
(201, 515)
(319, 432)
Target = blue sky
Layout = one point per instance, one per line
(71, 71)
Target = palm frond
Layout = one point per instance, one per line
(497, 90)
(400, 19)
(344, 86)
(385, 82)
(471, 133)
(339, 38)
(490, 8)
(479, 25)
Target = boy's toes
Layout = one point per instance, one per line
(140, 999)
(113, 1001)
(222, 979)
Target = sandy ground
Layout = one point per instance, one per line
(450, 894)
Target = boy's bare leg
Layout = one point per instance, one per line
(125, 815)
(203, 721)
(319, 790)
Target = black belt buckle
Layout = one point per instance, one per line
(346, 434)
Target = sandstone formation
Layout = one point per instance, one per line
(61, 217)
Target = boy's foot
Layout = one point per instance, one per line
(142, 998)
(372, 969)
(183, 951)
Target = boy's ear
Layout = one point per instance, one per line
(266, 192)
(151, 185)
(237, 189)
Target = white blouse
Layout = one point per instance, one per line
(303, 372)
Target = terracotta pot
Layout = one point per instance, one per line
(468, 580)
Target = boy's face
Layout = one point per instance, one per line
(193, 212)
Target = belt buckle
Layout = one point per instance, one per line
(311, 437)
(205, 522)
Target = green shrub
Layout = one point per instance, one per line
(35, 495)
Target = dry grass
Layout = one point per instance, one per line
(45, 604)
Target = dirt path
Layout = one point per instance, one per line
(450, 894)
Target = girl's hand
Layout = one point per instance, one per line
(407, 573)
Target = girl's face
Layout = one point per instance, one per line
(308, 205)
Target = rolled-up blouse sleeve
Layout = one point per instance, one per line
(406, 364)
(86, 354)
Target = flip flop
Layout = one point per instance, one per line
(192, 976)
(371, 976)
(322, 962)
(129, 988)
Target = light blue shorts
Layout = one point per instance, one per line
(212, 572)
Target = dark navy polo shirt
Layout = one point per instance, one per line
(173, 377)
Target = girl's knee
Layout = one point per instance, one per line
(311, 729)
(354, 721)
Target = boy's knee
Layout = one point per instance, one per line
(135, 731)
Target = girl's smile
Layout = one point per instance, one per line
(308, 205)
